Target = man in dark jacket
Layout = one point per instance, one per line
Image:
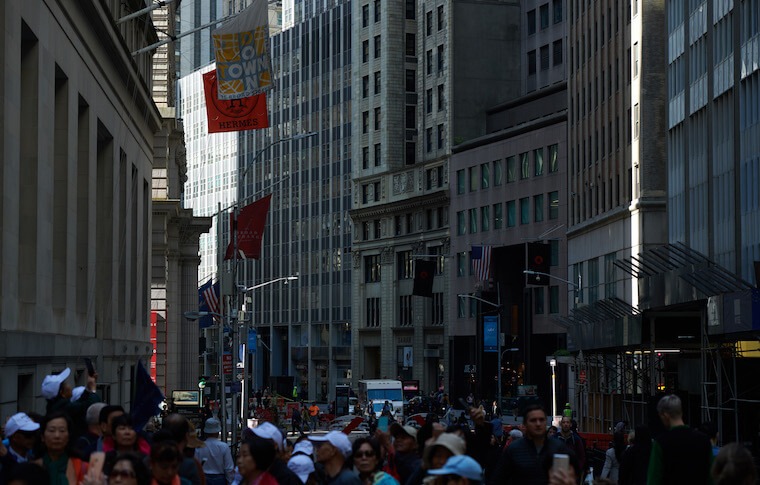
(58, 393)
(572, 440)
(527, 461)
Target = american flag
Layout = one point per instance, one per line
(208, 301)
(481, 262)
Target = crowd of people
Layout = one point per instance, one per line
(81, 441)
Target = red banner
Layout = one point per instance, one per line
(227, 363)
(251, 221)
(234, 114)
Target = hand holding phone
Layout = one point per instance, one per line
(97, 460)
(561, 461)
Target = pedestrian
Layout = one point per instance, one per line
(129, 469)
(215, 457)
(528, 460)
(314, 415)
(635, 460)
(176, 428)
(295, 421)
(279, 467)
(404, 453)
(105, 418)
(333, 450)
(57, 456)
(368, 462)
(58, 393)
(612, 457)
(680, 454)
(734, 465)
(165, 460)
(572, 440)
(21, 433)
(303, 466)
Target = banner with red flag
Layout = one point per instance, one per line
(251, 221)
(234, 114)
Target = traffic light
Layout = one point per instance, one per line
(202, 382)
(538, 261)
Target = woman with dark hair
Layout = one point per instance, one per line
(734, 465)
(612, 458)
(125, 439)
(254, 458)
(634, 462)
(367, 461)
(129, 469)
(56, 454)
(165, 459)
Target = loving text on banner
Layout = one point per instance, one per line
(251, 221)
(233, 114)
(241, 47)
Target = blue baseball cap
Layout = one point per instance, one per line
(460, 465)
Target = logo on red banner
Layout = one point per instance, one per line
(233, 114)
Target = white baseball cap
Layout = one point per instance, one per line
(305, 447)
(52, 383)
(20, 422)
(301, 465)
(336, 438)
(269, 431)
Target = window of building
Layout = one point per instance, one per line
(378, 155)
(485, 176)
(525, 210)
(377, 82)
(557, 10)
(473, 179)
(411, 9)
(544, 12)
(429, 22)
(460, 182)
(365, 86)
(498, 172)
(511, 213)
(498, 216)
(429, 101)
(365, 121)
(538, 300)
(554, 252)
(440, 58)
(557, 52)
(405, 311)
(409, 223)
(440, 17)
(610, 286)
(373, 312)
(397, 226)
(411, 152)
(531, 62)
(553, 205)
(636, 121)
(434, 178)
(531, 19)
(593, 280)
(545, 57)
(436, 317)
(411, 45)
(485, 218)
(441, 135)
(511, 169)
(461, 224)
(372, 268)
(461, 263)
(441, 98)
(538, 208)
(636, 55)
(365, 15)
(405, 265)
(377, 10)
(553, 158)
(429, 61)
(524, 165)
(538, 161)
(365, 231)
(377, 118)
(428, 140)
(365, 157)
(554, 299)
(378, 225)
(377, 47)
(411, 80)
(473, 220)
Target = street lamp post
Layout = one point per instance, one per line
(553, 365)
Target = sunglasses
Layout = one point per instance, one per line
(121, 474)
(364, 454)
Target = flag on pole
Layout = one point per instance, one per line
(233, 114)
(424, 271)
(241, 48)
(147, 397)
(208, 301)
(251, 221)
(481, 262)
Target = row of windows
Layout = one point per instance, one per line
(405, 310)
(440, 98)
(365, 13)
(543, 52)
(429, 20)
(530, 164)
(404, 263)
(377, 156)
(429, 60)
(434, 218)
(376, 84)
(544, 16)
(481, 219)
(440, 138)
(377, 120)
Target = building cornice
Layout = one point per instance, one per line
(401, 206)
